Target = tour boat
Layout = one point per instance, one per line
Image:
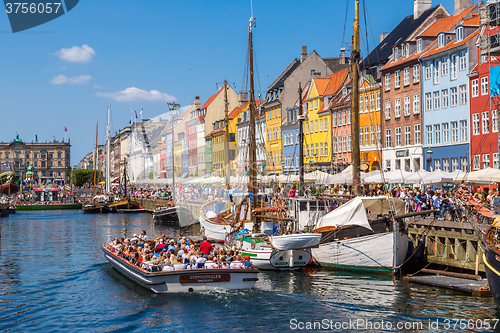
(186, 280)
(173, 214)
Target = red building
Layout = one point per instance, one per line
(483, 113)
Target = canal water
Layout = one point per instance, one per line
(53, 277)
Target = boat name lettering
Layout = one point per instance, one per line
(203, 278)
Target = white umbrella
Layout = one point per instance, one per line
(315, 175)
(417, 177)
(488, 175)
(395, 176)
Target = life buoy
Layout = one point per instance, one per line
(170, 204)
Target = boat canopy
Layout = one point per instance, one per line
(354, 212)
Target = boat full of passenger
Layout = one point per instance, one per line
(152, 266)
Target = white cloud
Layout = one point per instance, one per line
(62, 79)
(136, 94)
(76, 53)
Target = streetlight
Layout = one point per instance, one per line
(429, 158)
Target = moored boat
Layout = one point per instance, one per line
(173, 214)
(186, 280)
(352, 242)
(491, 258)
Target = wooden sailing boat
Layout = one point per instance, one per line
(350, 240)
(233, 223)
(98, 204)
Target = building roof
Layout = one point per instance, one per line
(445, 23)
(400, 33)
(474, 20)
(211, 98)
(280, 81)
(448, 46)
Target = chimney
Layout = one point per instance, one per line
(382, 36)
(243, 97)
(461, 5)
(303, 53)
(342, 56)
(197, 103)
(420, 6)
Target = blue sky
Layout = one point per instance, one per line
(66, 72)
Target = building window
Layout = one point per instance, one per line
(463, 163)
(397, 77)
(495, 161)
(326, 149)
(325, 124)
(444, 98)
(349, 147)
(486, 161)
(436, 100)
(316, 126)
(437, 134)
(463, 60)
(397, 166)
(454, 131)
(446, 165)
(395, 54)
(463, 94)
(436, 71)
(397, 108)
(475, 88)
(407, 135)
(494, 121)
(388, 138)
(428, 70)
(377, 97)
(484, 85)
(485, 117)
(387, 85)
(454, 96)
(428, 130)
(416, 130)
(321, 149)
(428, 102)
(437, 164)
(379, 134)
(477, 162)
(446, 133)
(441, 41)
(406, 76)
(387, 110)
(416, 104)
(334, 145)
(361, 136)
(407, 106)
(388, 165)
(475, 124)
(454, 164)
(343, 117)
(398, 136)
(453, 66)
(444, 66)
(372, 135)
(372, 102)
(366, 103)
(367, 133)
(419, 45)
(334, 121)
(416, 73)
(460, 34)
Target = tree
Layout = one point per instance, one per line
(82, 176)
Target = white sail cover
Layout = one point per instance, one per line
(354, 211)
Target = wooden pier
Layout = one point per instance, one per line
(448, 243)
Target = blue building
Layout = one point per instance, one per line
(445, 96)
(290, 142)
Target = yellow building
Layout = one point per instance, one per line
(370, 132)
(317, 127)
(218, 138)
(273, 138)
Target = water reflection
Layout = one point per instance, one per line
(53, 275)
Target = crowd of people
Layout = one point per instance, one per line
(176, 254)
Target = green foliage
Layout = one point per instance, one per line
(313, 191)
(82, 176)
(150, 175)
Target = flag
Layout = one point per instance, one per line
(141, 111)
(135, 114)
(65, 129)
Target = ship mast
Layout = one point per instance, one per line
(226, 137)
(95, 159)
(108, 147)
(252, 188)
(355, 54)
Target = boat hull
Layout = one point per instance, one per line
(95, 209)
(49, 207)
(215, 231)
(295, 241)
(378, 253)
(175, 215)
(185, 280)
(492, 266)
(123, 204)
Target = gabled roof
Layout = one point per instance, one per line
(448, 46)
(474, 20)
(445, 23)
(236, 111)
(336, 81)
(280, 81)
(211, 98)
(413, 56)
(400, 33)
